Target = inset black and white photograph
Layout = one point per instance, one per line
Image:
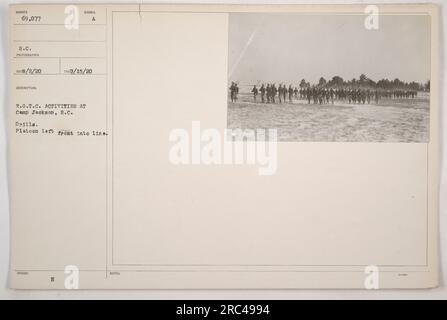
(330, 77)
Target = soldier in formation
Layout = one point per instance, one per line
(255, 92)
(321, 94)
(234, 90)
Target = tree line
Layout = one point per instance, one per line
(364, 82)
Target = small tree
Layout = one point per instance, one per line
(322, 82)
(363, 79)
(336, 81)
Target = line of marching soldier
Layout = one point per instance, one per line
(271, 94)
(320, 95)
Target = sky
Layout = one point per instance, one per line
(287, 47)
